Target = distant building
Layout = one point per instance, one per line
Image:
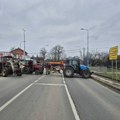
(38, 59)
(18, 53)
(4, 53)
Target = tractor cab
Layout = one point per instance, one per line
(74, 63)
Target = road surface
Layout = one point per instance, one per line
(38, 98)
(46, 97)
(94, 101)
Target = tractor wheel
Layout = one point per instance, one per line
(19, 74)
(68, 72)
(41, 73)
(4, 73)
(37, 72)
(86, 73)
(25, 70)
(30, 71)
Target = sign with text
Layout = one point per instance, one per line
(113, 53)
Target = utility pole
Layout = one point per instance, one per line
(83, 54)
(24, 42)
(87, 30)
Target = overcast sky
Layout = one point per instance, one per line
(52, 22)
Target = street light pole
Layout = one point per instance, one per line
(24, 42)
(21, 43)
(87, 44)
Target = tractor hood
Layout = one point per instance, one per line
(83, 67)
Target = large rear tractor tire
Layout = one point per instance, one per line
(4, 73)
(86, 74)
(68, 72)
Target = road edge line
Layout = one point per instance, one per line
(71, 102)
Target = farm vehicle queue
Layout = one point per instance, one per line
(12, 66)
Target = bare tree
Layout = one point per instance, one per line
(57, 53)
(43, 52)
(12, 48)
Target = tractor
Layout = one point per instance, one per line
(38, 68)
(30, 66)
(72, 65)
(9, 66)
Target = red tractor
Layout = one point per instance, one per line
(30, 66)
(38, 68)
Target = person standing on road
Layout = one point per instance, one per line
(47, 67)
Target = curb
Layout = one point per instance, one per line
(97, 74)
(106, 82)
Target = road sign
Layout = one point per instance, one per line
(113, 53)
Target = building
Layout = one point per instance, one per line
(38, 59)
(18, 53)
(4, 53)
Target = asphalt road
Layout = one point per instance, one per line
(41, 97)
(94, 101)
(33, 97)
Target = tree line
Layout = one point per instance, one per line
(57, 53)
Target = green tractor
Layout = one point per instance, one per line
(72, 66)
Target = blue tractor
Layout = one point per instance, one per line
(72, 66)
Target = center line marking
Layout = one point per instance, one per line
(36, 81)
(48, 84)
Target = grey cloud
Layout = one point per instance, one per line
(59, 21)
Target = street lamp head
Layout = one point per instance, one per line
(82, 29)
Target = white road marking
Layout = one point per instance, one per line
(41, 77)
(63, 79)
(48, 84)
(71, 103)
(64, 82)
(16, 96)
(36, 81)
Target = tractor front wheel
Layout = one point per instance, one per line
(86, 73)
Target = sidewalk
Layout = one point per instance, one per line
(107, 82)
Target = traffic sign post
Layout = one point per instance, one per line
(113, 54)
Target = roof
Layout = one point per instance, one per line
(18, 49)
